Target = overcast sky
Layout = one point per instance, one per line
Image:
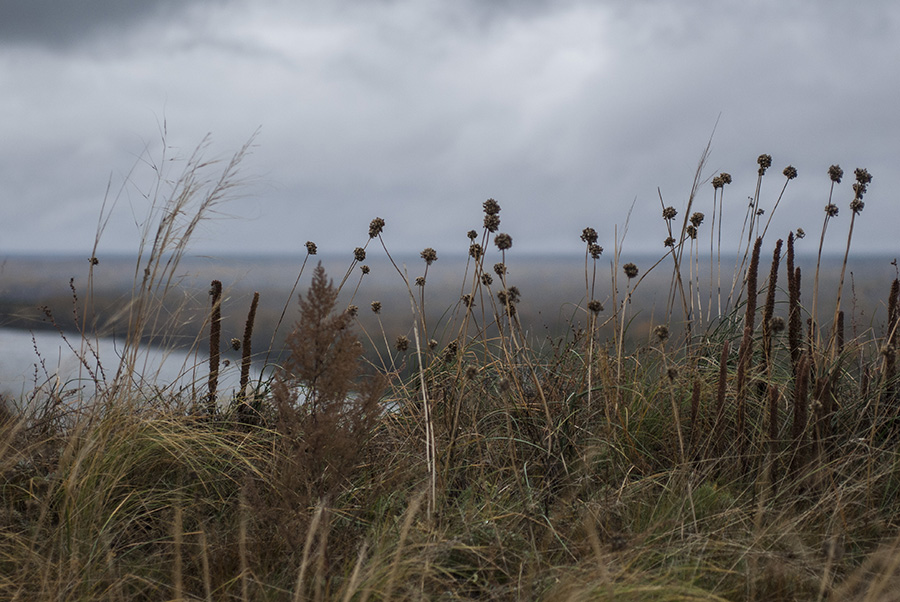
(416, 111)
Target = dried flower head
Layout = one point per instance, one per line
(661, 332)
(491, 223)
(790, 172)
(801, 233)
(697, 218)
(359, 254)
(669, 241)
(467, 300)
(311, 247)
(589, 235)
(451, 350)
(475, 250)
(432, 344)
(402, 343)
(595, 250)
(472, 234)
(765, 162)
(503, 241)
(429, 255)
(835, 173)
(503, 384)
(500, 269)
(726, 177)
(717, 182)
(376, 307)
(862, 175)
(491, 207)
(856, 206)
(471, 371)
(760, 211)
(420, 280)
(93, 260)
(669, 213)
(510, 295)
(831, 210)
(364, 269)
(486, 279)
(375, 227)
(631, 270)
(352, 310)
(595, 306)
(236, 344)
(691, 231)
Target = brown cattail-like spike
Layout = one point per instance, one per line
(720, 395)
(746, 349)
(215, 334)
(247, 346)
(840, 332)
(798, 427)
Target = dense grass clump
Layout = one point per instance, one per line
(743, 447)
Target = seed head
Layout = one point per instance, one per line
(691, 231)
(765, 162)
(790, 172)
(376, 307)
(595, 306)
(589, 235)
(717, 182)
(631, 270)
(491, 222)
(402, 343)
(697, 219)
(661, 332)
(669, 213)
(486, 279)
(726, 177)
(835, 173)
(862, 175)
(831, 210)
(472, 234)
(672, 373)
(475, 250)
(420, 280)
(500, 269)
(352, 310)
(432, 344)
(311, 247)
(364, 269)
(93, 260)
(359, 254)
(595, 250)
(451, 350)
(856, 206)
(429, 255)
(503, 241)
(491, 207)
(235, 344)
(503, 384)
(669, 241)
(801, 233)
(375, 227)
(468, 301)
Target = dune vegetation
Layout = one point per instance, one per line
(746, 449)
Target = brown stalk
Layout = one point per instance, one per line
(746, 349)
(798, 428)
(215, 334)
(246, 354)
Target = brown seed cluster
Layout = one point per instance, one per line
(375, 227)
(503, 241)
(790, 172)
(429, 255)
(402, 343)
(589, 235)
(475, 250)
(631, 270)
(697, 219)
(376, 307)
(595, 306)
(835, 173)
(311, 247)
(669, 213)
(595, 250)
(359, 254)
(765, 162)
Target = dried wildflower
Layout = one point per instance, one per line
(364, 269)
(776, 324)
(467, 300)
(500, 269)
(863, 178)
(475, 250)
(402, 343)
(491, 207)
(503, 241)
(375, 227)
(631, 270)
(311, 247)
(801, 233)
(595, 306)
(691, 232)
(352, 310)
(376, 307)
(491, 223)
(717, 182)
(661, 332)
(486, 279)
(697, 218)
(359, 254)
(831, 210)
(420, 280)
(472, 234)
(856, 206)
(451, 350)
(669, 213)
(93, 261)
(862, 175)
(432, 344)
(595, 250)
(429, 255)
(510, 295)
(589, 235)
(726, 177)
(765, 162)
(790, 172)
(236, 344)
(471, 371)
(835, 173)
(760, 211)
(669, 241)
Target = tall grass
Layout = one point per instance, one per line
(727, 456)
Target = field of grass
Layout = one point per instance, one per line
(739, 445)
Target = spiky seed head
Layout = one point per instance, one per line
(420, 280)
(595, 306)
(364, 269)
(835, 173)
(359, 254)
(831, 210)
(451, 350)
(669, 213)
(790, 172)
(500, 269)
(717, 182)
(352, 310)
(801, 233)
(765, 162)
(376, 306)
(402, 343)
(432, 344)
(595, 250)
(697, 218)
(503, 241)
(491, 207)
(93, 260)
(236, 344)
(856, 206)
(486, 279)
(862, 175)
(669, 241)
(760, 212)
(471, 371)
(375, 227)
(589, 235)
(311, 247)
(475, 250)
(467, 300)
(429, 255)
(726, 177)
(691, 231)
(472, 234)
(661, 332)
(491, 223)
(631, 270)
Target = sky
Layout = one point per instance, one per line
(570, 113)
